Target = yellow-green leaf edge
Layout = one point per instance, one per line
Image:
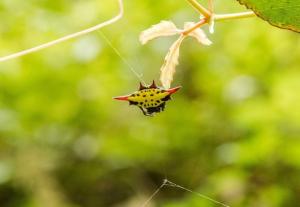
(278, 13)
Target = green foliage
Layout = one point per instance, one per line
(280, 13)
(232, 132)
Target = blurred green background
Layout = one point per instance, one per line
(232, 132)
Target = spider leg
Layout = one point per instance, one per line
(163, 106)
(143, 110)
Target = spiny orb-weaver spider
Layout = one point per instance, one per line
(150, 99)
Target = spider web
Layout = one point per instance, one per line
(139, 76)
(168, 183)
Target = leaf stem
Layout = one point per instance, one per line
(197, 25)
(220, 17)
(67, 37)
(206, 13)
(211, 5)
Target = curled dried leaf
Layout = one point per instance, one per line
(198, 34)
(164, 28)
(169, 66)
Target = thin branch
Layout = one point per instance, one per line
(197, 25)
(220, 17)
(62, 39)
(206, 13)
(211, 5)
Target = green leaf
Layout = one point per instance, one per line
(280, 13)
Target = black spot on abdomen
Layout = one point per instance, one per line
(168, 97)
(133, 103)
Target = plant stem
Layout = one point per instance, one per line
(197, 25)
(211, 5)
(220, 17)
(62, 39)
(206, 13)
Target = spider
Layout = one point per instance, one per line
(150, 99)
